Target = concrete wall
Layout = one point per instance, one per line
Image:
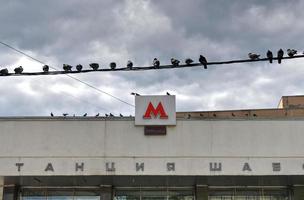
(191, 146)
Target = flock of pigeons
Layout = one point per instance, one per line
(106, 115)
(156, 62)
(86, 114)
(95, 66)
(280, 54)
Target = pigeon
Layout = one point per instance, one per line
(203, 61)
(269, 56)
(79, 67)
(52, 115)
(291, 52)
(111, 115)
(129, 64)
(65, 114)
(253, 56)
(135, 94)
(175, 62)
(156, 63)
(188, 61)
(168, 94)
(112, 65)
(280, 55)
(94, 66)
(120, 115)
(67, 67)
(85, 114)
(97, 115)
(106, 115)
(45, 68)
(18, 70)
(4, 71)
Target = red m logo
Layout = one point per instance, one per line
(158, 111)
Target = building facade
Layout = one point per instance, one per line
(216, 155)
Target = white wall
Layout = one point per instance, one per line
(191, 145)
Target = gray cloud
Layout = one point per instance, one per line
(103, 31)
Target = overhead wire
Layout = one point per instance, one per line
(83, 82)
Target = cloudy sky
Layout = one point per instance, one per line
(81, 32)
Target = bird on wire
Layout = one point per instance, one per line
(67, 67)
(18, 70)
(254, 56)
(4, 71)
(269, 56)
(45, 68)
(94, 66)
(79, 67)
(112, 65)
(175, 62)
(280, 55)
(203, 61)
(188, 61)
(156, 63)
(291, 52)
(129, 64)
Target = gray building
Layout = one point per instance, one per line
(217, 155)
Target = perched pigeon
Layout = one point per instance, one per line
(188, 61)
(280, 55)
(4, 71)
(111, 115)
(45, 68)
(94, 66)
(129, 64)
(120, 115)
(203, 61)
(156, 63)
(253, 56)
(85, 114)
(65, 114)
(291, 52)
(67, 67)
(135, 94)
(97, 115)
(18, 70)
(52, 115)
(175, 62)
(168, 94)
(112, 65)
(79, 67)
(269, 56)
(106, 115)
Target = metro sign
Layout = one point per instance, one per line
(155, 110)
(159, 110)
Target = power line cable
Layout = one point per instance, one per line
(83, 82)
(140, 68)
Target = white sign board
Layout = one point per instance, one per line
(155, 110)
